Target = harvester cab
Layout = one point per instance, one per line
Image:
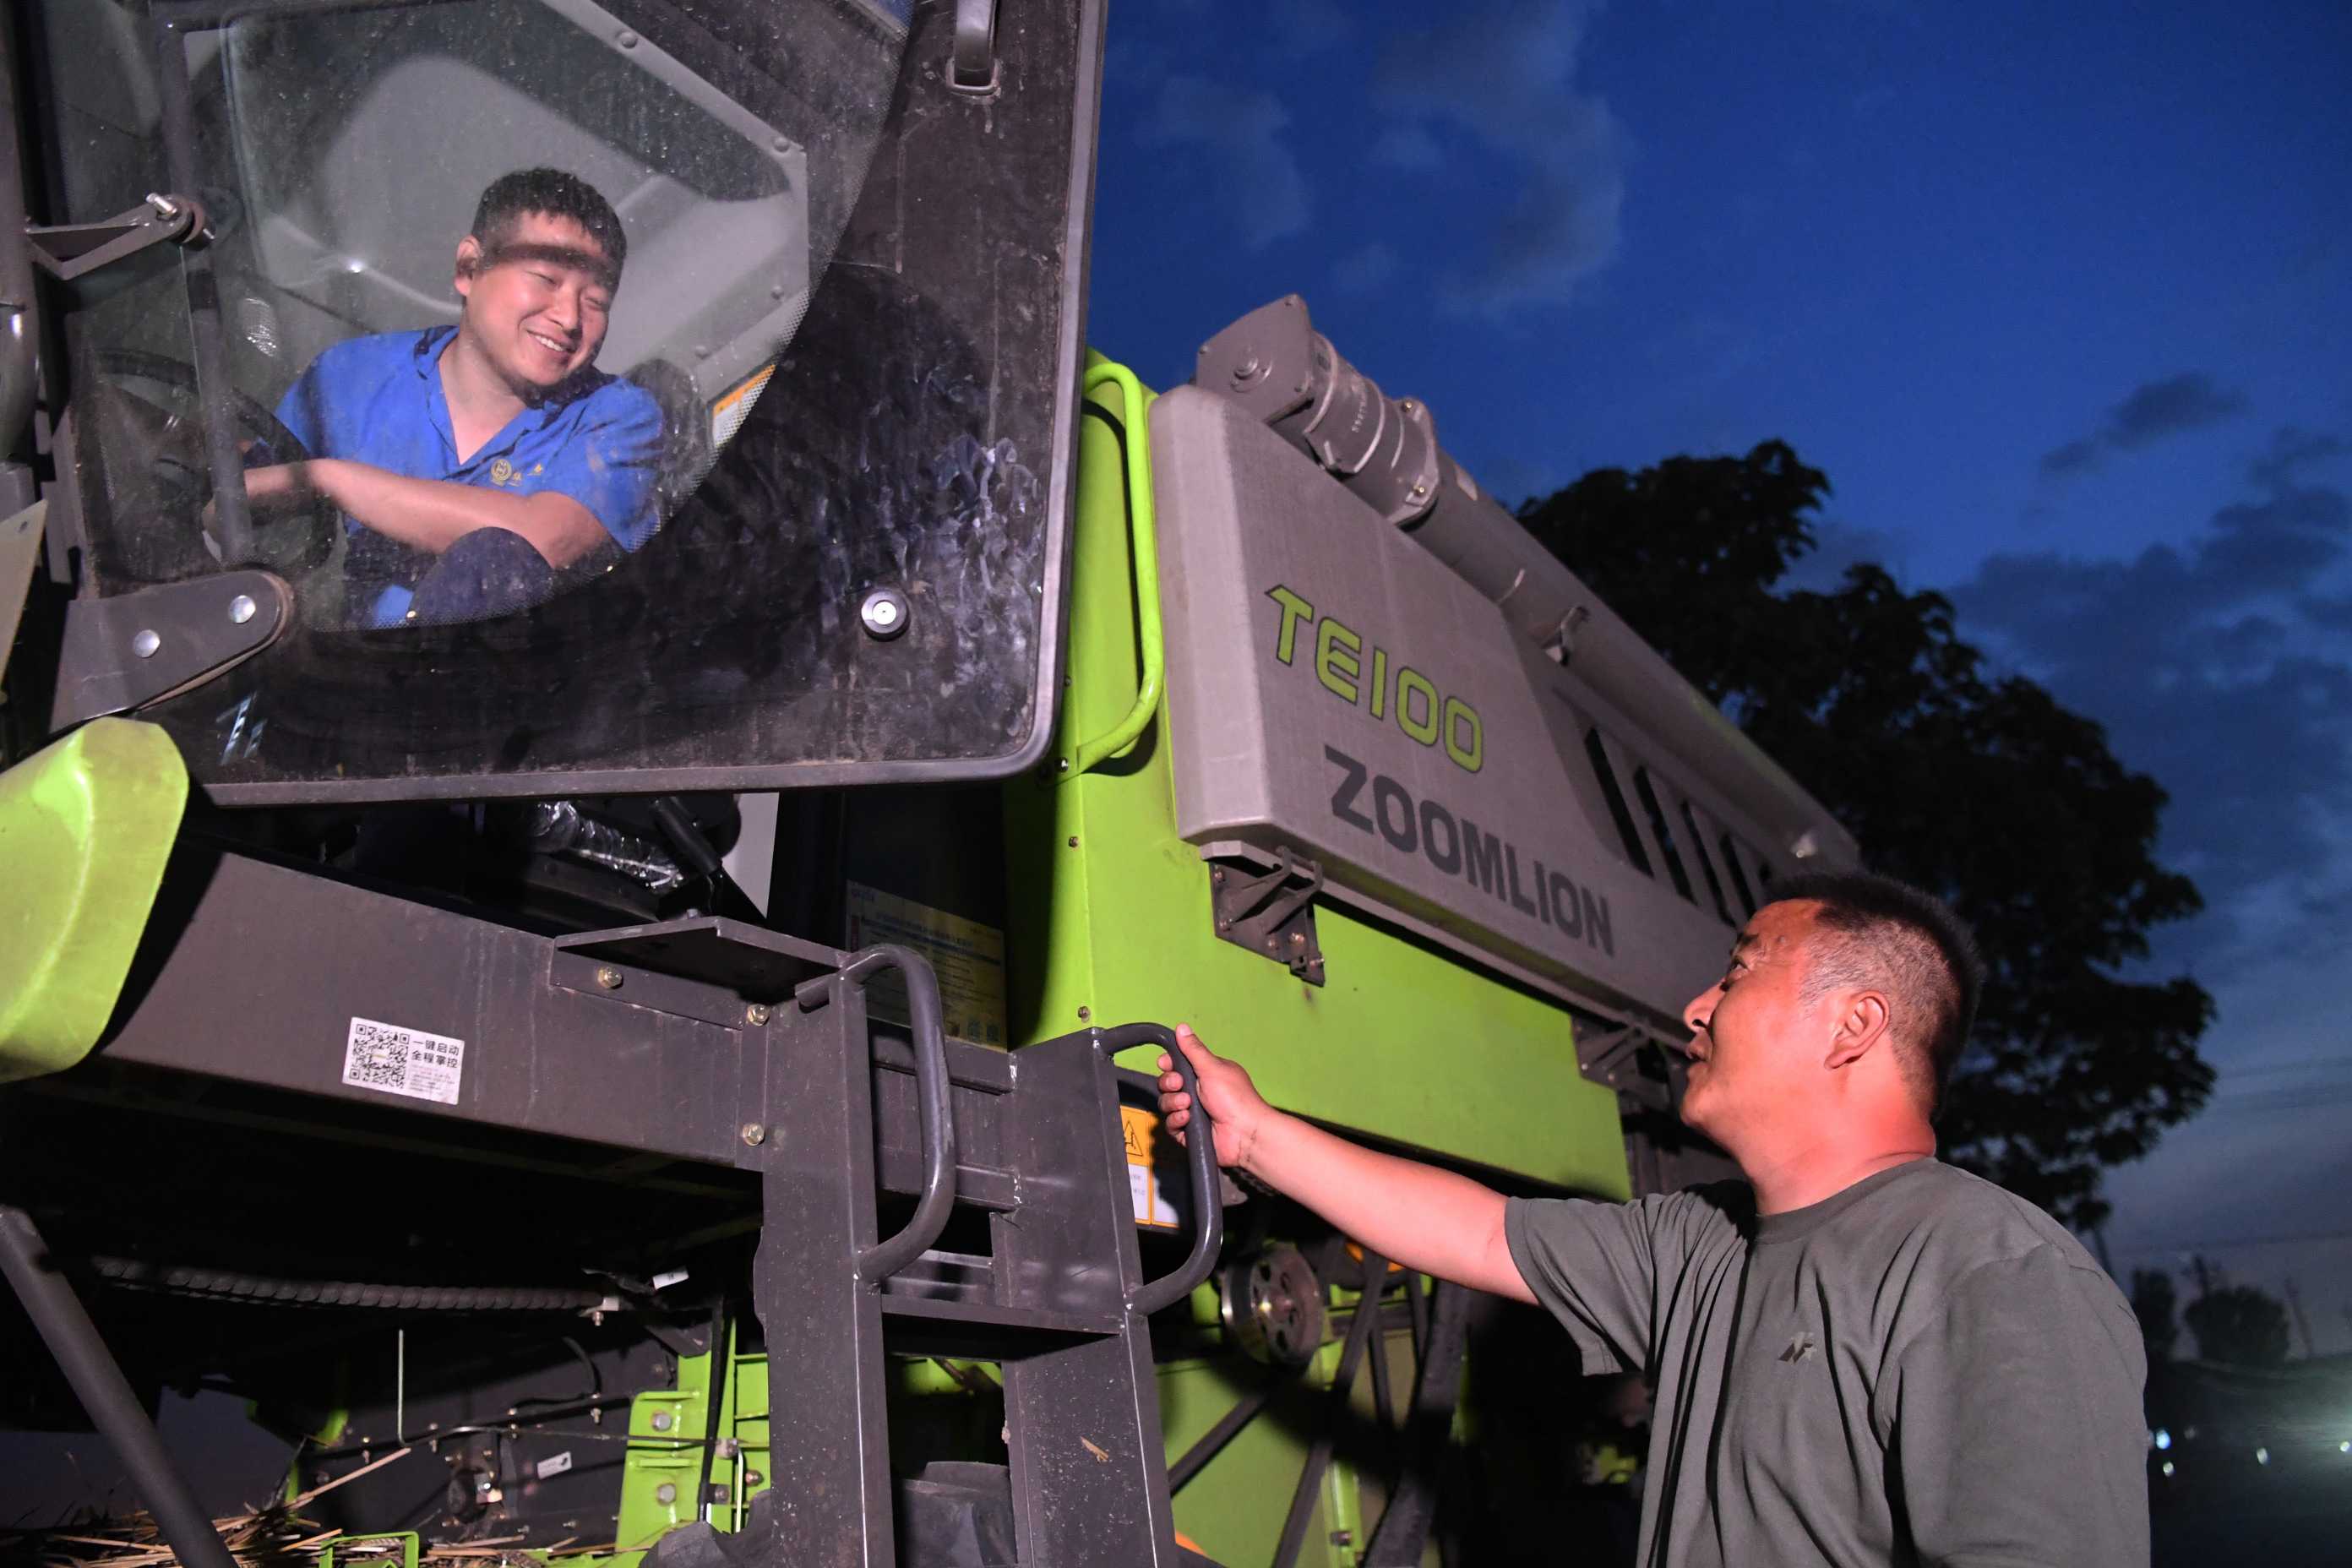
(636, 1042)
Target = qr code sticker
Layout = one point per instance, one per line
(395, 1060)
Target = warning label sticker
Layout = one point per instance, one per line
(393, 1060)
(1153, 1159)
(968, 957)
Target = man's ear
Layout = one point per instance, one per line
(1861, 1024)
(469, 261)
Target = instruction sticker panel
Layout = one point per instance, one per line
(393, 1060)
(968, 957)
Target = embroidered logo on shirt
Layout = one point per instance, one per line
(1800, 1348)
(504, 472)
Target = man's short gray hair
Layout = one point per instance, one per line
(1880, 934)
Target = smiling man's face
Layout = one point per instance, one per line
(1756, 1046)
(537, 306)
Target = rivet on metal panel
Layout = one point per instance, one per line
(242, 608)
(627, 39)
(608, 977)
(757, 1012)
(1073, 841)
(146, 644)
(661, 1421)
(1085, 1014)
(755, 1134)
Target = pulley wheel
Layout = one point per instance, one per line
(1274, 1307)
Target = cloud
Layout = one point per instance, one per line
(2071, 459)
(2162, 408)
(1504, 73)
(2223, 667)
(2153, 411)
(2293, 453)
(1242, 131)
(1363, 271)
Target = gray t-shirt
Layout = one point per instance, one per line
(1923, 1368)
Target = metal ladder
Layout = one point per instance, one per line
(1031, 1139)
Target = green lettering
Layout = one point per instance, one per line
(1423, 729)
(1330, 662)
(1293, 610)
(1470, 753)
(1379, 682)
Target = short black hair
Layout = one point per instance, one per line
(558, 195)
(1889, 933)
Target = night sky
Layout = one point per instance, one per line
(2059, 297)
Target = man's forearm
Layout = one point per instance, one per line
(434, 514)
(1429, 1220)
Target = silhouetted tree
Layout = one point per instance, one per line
(2155, 1302)
(2236, 1323)
(1983, 788)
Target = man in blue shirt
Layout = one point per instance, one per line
(477, 465)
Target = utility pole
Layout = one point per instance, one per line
(2302, 1324)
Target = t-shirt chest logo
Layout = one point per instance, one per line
(506, 473)
(1801, 1347)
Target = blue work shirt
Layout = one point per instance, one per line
(378, 400)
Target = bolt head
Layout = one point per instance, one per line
(884, 614)
(627, 39)
(1085, 1014)
(242, 608)
(757, 1012)
(666, 1494)
(755, 1134)
(608, 977)
(145, 642)
(661, 1421)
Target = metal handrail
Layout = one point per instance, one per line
(1201, 1156)
(1143, 542)
(884, 1258)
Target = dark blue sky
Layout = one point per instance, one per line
(2059, 297)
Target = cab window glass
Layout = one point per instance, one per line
(512, 352)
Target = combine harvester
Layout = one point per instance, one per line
(652, 1042)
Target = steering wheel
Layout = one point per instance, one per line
(158, 467)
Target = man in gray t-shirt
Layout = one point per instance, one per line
(1861, 1355)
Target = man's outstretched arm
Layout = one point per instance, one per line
(433, 514)
(1429, 1220)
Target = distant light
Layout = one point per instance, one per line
(2262, 1456)
(2167, 1466)
(2344, 1447)
(2189, 1433)
(353, 264)
(2163, 1438)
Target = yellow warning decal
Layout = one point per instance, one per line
(1152, 1159)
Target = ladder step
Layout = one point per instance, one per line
(982, 1330)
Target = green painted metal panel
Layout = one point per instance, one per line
(86, 827)
(1111, 921)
